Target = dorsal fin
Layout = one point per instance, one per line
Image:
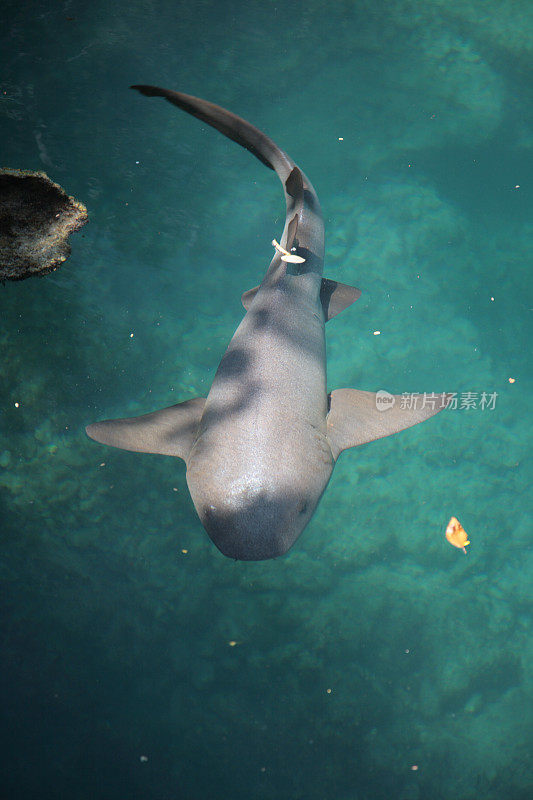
(295, 183)
(292, 230)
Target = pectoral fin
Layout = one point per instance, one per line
(169, 432)
(357, 417)
(335, 297)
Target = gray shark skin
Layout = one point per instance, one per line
(260, 449)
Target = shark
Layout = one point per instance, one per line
(261, 447)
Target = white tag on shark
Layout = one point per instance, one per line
(291, 258)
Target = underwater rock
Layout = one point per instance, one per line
(36, 218)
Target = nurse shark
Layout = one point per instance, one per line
(261, 447)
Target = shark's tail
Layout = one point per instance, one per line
(230, 125)
(303, 209)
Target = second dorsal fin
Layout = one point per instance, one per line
(295, 183)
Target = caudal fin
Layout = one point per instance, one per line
(232, 126)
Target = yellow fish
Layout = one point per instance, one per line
(456, 534)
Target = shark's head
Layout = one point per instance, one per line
(252, 522)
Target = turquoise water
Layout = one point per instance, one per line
(374, 661)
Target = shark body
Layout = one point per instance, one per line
(260, 449)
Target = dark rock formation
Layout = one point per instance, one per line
(36, 218)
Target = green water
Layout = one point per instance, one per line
(373, 647)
